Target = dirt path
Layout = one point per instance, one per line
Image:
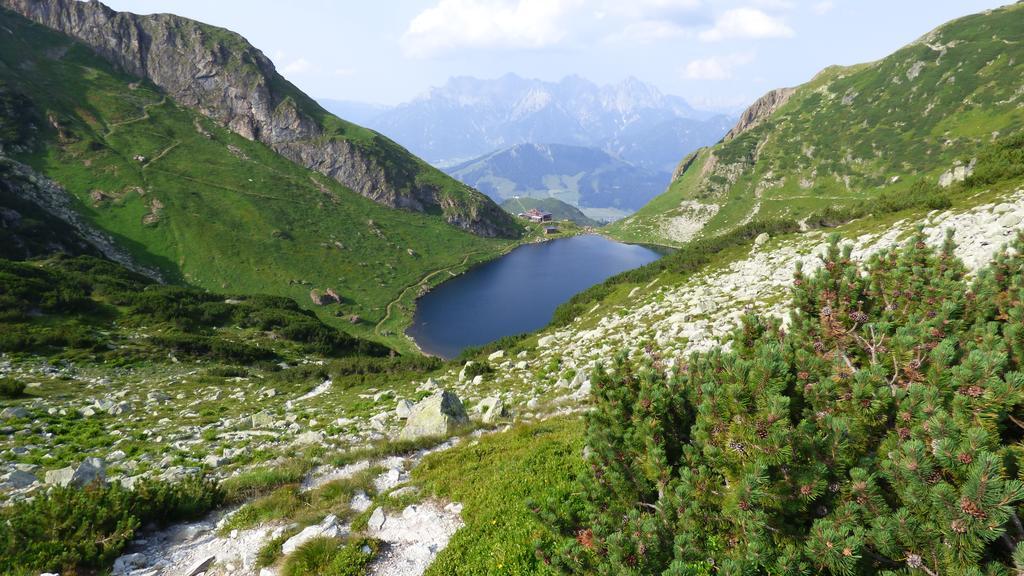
(145, 116)
(421, 283)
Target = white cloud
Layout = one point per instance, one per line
(647, 9)
(716, 67)
(648, 31)
(298, 66)
(746, 23)
(453, 24)
(822, 8)
(780, 5)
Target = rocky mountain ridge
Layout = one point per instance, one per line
(469, 117)
(221, 75)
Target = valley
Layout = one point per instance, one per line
(241, 336)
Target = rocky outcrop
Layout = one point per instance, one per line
(435, 415)
(219, 74)
(759, 111)
(25, 184)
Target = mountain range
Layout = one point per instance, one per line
(592, 180)
(469, 117)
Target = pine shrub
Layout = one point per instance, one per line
(11, 388)
(880, 432)
(71, 530)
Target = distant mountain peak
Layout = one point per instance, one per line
(468, 117)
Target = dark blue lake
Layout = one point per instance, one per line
(517, 292)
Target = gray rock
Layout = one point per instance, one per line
(377, 519)
(129, 562)
(89, 471)
(157, 396)
(263, 420)
(327, 528)
(403, 408)
(214, 461)
(493, 409)
(761, 239)
(496, 355)
(13, 412)
(19, 480)
(200, 566)
(119, 409)
(310, 437)
(436, 415)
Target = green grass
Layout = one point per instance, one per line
(288, 503)
(235, 215)
(844, 135)
(493, 479)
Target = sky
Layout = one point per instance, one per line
(718, 54)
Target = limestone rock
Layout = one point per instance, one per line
(377, 519)
(496, 356)
(436, 415)
(310, 437)
(493, 409)
(327, 528)
(89, 471)
(403, 408)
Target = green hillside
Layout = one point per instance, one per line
(202, 204)
(853, 134)
(559, 210)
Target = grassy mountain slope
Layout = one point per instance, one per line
(559, 210)
(219, 74)
(853, 134)
(203, 204)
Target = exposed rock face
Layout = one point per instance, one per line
(30, 186)
(759, 111)
(221, 75)
(436, 415)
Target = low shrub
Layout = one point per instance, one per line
(11, 388)
(69, 530)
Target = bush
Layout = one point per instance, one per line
(879, 433)
(11, 388)
(70, 529)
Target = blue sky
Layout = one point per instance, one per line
(715, 53)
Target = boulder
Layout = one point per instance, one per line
(263, 420)
(462, 373)
(493, 409)
(19, 480)
(89, 471)
(436, 415)
(496, 355)
(546, 341)
(328, 528)
(129, 562)
(377, 519)
(310, 437)
(13, 412)
(403, 408)
(761, 239)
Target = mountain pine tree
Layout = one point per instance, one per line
(879, 432)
